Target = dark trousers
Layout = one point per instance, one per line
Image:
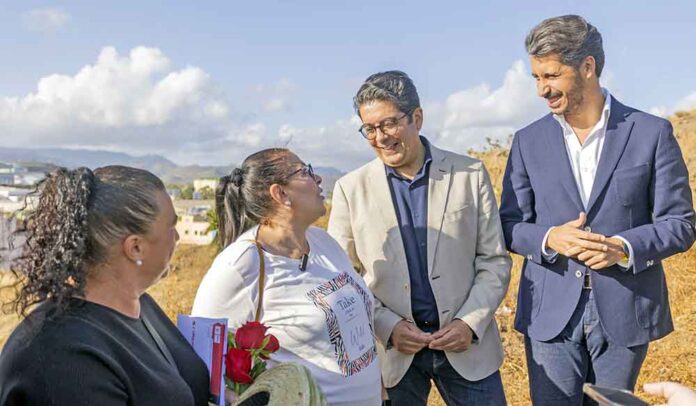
(431, 365)
(581, 353)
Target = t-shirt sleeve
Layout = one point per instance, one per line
(70, 377)
(230, 288)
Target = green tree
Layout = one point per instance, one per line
(207, 193)
(211, 217)
(187, 192)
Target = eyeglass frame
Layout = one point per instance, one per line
(379, 126)
(305, 167)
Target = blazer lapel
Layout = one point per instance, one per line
(386, 221)
(560, 162)
(439, 185)
(618, 131)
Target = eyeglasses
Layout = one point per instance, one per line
(387, 126)
(305, 170)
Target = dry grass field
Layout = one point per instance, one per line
(672, 358)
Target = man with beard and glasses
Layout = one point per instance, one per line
(595, 196)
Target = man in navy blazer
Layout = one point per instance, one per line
(595, 196)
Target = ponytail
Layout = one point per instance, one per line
(243, 198)
(231, 208)
(79, 218)
(51, 265)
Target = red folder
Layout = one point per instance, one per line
(216, 367)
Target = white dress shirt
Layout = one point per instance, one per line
(584, 160)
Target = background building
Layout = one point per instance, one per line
(192, 229)
(200, 184)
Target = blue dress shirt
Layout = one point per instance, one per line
(410, 198)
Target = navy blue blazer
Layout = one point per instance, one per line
(641, 192)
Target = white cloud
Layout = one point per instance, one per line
(253, 134)
(276, 96)
(46, 20)
(338, 144)
(464, 120)
(660, 111)
(511, 104)
(286, 132)
(468, 117)
(276, 104)
(137, 101)
(686, 103)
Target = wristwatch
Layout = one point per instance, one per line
(624, 259)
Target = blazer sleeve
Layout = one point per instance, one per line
(492, 263)
(522, 235)
(341, 230)
(340, 225)
(672, 229)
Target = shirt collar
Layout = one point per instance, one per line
(426, 161)
(603, 119)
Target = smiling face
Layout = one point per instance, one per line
(561, 85)
(401, 150)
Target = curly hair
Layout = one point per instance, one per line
(80, 214)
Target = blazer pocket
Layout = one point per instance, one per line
(649, 311)
(458, 213)
(631, 184)
(651, 299)
(531, 291)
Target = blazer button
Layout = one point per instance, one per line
(588, 229)
(529, 257)
(578, 274)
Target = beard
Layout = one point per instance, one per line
(575, 95)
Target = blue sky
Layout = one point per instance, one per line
(211, 81)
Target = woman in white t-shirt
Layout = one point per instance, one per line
(314, 302)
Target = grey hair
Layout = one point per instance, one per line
(391, 86)
(569, 36)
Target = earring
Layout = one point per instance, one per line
(139, 262)
(288, 203)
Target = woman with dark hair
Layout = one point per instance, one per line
(291, 276)
(96, 241)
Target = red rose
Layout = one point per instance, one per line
(272, 346)
(238, 365)
(250, 335)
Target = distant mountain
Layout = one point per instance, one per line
(167, 170)
(79, 157)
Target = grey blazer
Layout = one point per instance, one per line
(468, 264)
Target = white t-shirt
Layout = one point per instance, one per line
(322, 317)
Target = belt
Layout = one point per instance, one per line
(587, 282)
